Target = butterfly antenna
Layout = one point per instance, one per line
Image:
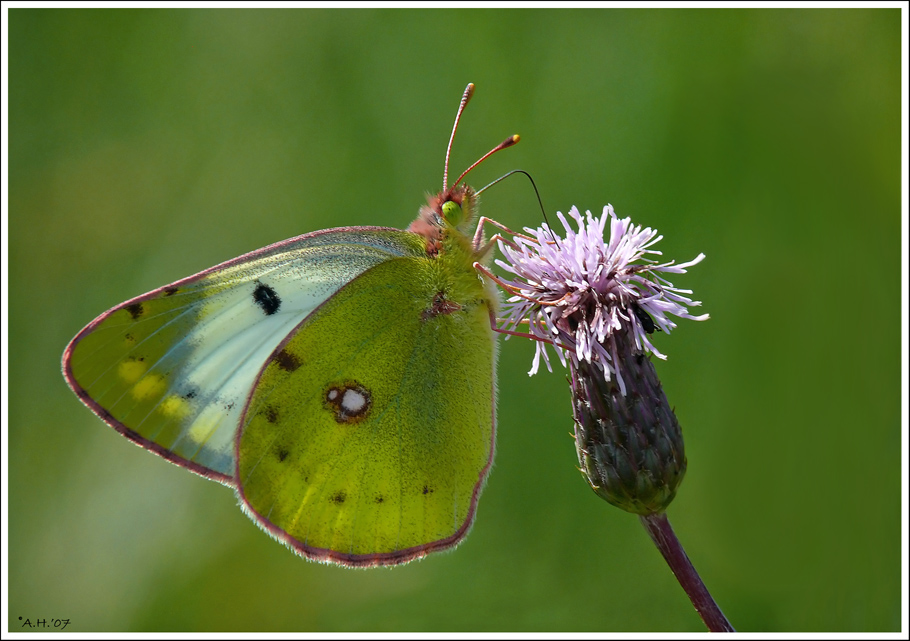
(508, 142)
(520, 171)
(468, 92)
(543, 211)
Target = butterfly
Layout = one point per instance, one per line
(341, 382)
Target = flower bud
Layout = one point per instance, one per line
(630, 447)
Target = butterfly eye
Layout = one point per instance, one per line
(452, 213)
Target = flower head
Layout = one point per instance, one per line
(599, 300)
(578, 292)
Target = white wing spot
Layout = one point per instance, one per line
(353, 401)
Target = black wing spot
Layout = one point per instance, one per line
(271, 414)
(136, 310)
(287, 360)
(282, 454)
(339, 498)
(267, 298)
(440, 305)
(379, 498)
(427, 489)
(170, 291)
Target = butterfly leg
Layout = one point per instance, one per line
(494, 321)
(478, 235)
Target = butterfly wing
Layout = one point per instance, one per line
(370, 431)
(172, 369)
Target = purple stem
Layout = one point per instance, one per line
(665, 539)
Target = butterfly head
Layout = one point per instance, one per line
(451, 210)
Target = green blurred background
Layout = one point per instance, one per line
(145, 145)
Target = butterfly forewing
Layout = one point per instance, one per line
(173, 369)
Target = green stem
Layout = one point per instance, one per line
(665, 539)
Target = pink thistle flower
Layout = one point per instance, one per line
(580, 291)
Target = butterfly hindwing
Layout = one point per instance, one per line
(370, 431)
(173, 369)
